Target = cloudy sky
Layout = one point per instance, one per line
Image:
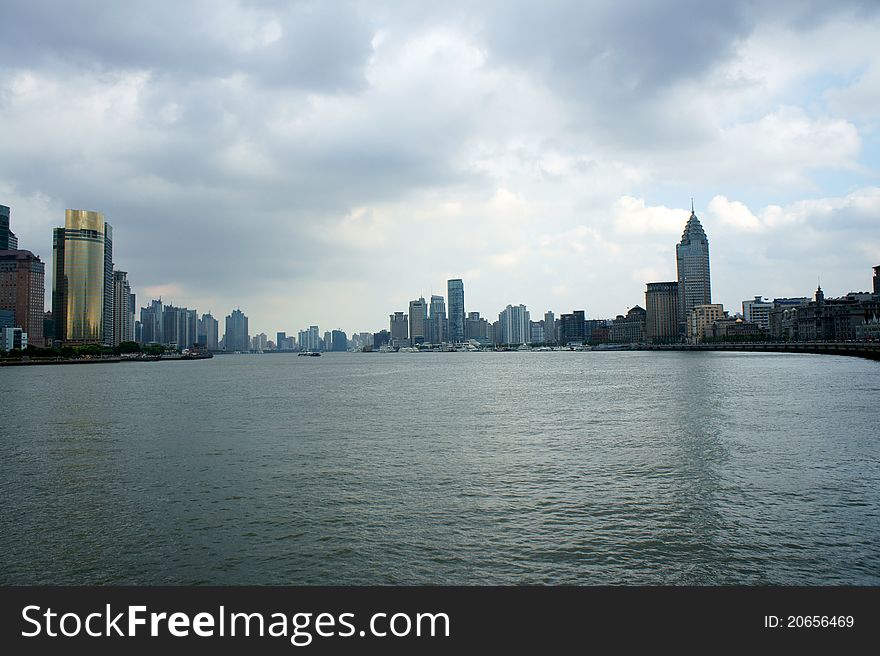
(325, 162)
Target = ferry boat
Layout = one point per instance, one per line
(311, 354)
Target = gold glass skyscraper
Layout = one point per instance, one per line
(82, 282)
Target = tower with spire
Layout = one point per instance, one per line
(692, 258)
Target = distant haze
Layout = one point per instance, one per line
(324, 162)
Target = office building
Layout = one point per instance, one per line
(437, 328)
(573, 328)
(700, 321)
(549, 327)
(629, 329)
(236, 337)
(758, 311)
(22, 285)
(338, 341)
(692, 260)
(399, 329)
(152, 323)
(457, 327)
(13, 337)
(82, 278)
(209, 328)
(661, 312)
(8, 240)
(476, 328)
(418, 320)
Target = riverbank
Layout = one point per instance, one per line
(108, 360)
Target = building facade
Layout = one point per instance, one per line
(573, 328)
(399, 329)
(692, 262)
(82, 278)
(476, 328)
(22, 291)
(549, 327)
(700, 321)
(457, 317)
(758, 311)
(661, 312)
(123, 310)
(437, 328)
(515, 325)
(629, 329)
(209, 328)
(236, 337)
(8, 240)
(418, 319)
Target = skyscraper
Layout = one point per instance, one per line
(22, 285)
(457, 322)
(236, 337)
(515, 325)
(418, 318)
(399, 329)
(662, 313)
(123, 318)
(438, 330)
(208, 332)
(82, 280)
(152, 323)
(8, 240)
(692, 257)
(549, 327)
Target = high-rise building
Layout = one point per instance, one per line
(399, 329)
(8, 240)
(515, 325)
(380, 339)
(281, 341)
(338, 341)
(476, 328)
(537, 332)
(418, 319)
(152, 323)
(123, 317)
(877, 280)
(457, 327)
(573, 328)
(758, 311)
(692, 258)
(209, 328)
(549, 327)
(82, 279)
(661, 312)
(437, 330)
(180, 327)
(22, 285)
(236, 337)
(12, 338)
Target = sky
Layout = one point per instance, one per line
(326, 162)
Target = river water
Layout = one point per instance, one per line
(443, 468)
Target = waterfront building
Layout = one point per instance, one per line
(736, 329)
(399, 329)
(573, 328)
(537, 332)
(180, 327)
(82, 278)
(877, 280)
(236, 337)
(629, 329)
(310, 340)
(828, 320)
(457, 320)
(281, 341)
(476, 328)
(260, 342)
(13, 337)
(8, 240)
(692, 260)
(22, 291)
(152, 323)
(758, 311)
(380, 339)
(514, 321)
(7, 319)
(661, 312)
(549, 327)
(437, 328)
(418, 319)
(700, 321)
(123, 312)
(338, 341)
(209, 328)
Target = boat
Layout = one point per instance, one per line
(311, 354)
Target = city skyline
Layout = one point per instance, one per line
(495, 145)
